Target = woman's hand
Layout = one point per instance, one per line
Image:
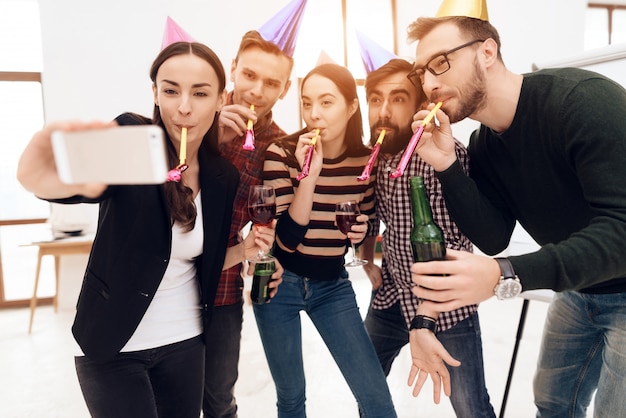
(358, 231)
(259, 238)
(302, 148)
(37, 170)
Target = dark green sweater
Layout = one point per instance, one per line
(560, 170)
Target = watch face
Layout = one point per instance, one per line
(509, 288)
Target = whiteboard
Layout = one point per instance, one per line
(609, 61)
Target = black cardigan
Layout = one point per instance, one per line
(131, 251)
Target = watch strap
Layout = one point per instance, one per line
(423, 321)
(506, 268)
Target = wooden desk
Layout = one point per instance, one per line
(56, 248)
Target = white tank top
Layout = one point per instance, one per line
(174, 314)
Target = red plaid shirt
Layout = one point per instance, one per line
(250, 166)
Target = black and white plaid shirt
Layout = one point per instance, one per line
(393, 209)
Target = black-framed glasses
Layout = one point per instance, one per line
(437, 65)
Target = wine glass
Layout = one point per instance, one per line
(345, 215)
(262, 209)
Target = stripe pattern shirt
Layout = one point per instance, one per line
(316, 250)
(393, 209)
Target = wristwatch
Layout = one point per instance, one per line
(509, 285)
(423, 321)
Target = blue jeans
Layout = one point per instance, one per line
(160, 382)
(583, 349)
(222, 362)
(389, 333)
(332, 307)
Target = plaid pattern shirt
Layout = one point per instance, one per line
(250, 166)
(393, 209)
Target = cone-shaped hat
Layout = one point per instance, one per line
(470, 8)
(324, 58)
(283, 28)
(174, 33)
(373, 55)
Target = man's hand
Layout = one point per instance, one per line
(428, 356)
(436, 145)
(233, 122)
(467, 279)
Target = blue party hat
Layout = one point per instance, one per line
(373, 55)
(283, 28)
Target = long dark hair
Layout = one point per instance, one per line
(178, 196)
(346, 85)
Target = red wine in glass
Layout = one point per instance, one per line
(262, 214)
(262, 209)
(345, 216)
(345, 220)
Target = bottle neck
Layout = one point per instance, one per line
(422, 214)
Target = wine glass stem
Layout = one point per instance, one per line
(353, 251)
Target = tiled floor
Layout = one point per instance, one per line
(37, 377)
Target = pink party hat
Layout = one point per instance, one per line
(174, 33)
(324, 58)
(283, 28)
(373, 55)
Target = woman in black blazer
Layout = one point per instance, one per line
(153, 270)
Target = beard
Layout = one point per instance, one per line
(392, 144)
(472, 96)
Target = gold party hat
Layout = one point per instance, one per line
(470, 8)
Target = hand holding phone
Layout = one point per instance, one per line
(118, 155)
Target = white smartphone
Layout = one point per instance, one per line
(133, 154)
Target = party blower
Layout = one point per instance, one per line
(370, 163)
(175, 174)
(410, 148)
(307, 160)
(249, 142)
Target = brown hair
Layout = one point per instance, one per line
(394, 66)
(179, 197)
(471, 28)
(253, 39)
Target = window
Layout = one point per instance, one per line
(605, 24)
(21, 114)
(329, 28)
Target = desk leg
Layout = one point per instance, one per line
(518, 337)
(57, 269)
(33, 300)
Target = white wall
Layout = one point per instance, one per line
(97, 53)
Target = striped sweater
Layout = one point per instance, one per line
(316, 250)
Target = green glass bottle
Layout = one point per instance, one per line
(263, 270)
(427, 239)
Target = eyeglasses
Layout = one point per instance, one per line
(436, 66)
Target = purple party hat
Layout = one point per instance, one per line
(174, 33)
(373, 55)
(283, 28)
